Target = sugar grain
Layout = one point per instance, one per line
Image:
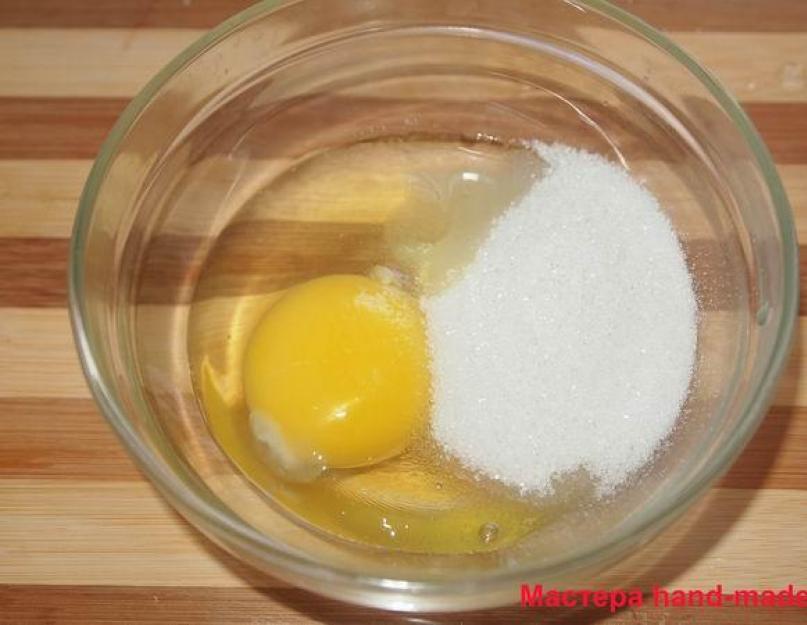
(569, 341)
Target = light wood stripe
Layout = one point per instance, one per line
(682, 15)
(38, 198)
(37, 356)
(753, 66)
(39, 360)
(794, 179)
(104, 533)
(86, 62)
(121, 533)
(104, 63)
(792, 387)
(261, 257)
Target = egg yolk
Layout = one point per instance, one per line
(336, 374)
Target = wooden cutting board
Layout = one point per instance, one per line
(83, 536)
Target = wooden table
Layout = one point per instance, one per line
(83, 536)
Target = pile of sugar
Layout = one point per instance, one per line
(569, 341)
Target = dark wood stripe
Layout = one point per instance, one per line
(44, 128)
(144, 605)
(783, 126)
(118, 13)
(69, 439)
(721, 15)
(258, 257)
(59, 439)
(681, 15)
(33, 272)
(777, 455)
(75, 127)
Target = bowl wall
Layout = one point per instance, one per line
(189, 172)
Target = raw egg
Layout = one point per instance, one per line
(336, 375)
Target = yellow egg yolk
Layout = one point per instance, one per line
(336, 374)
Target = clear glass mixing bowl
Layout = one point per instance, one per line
(280, 82)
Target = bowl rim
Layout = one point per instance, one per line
(231, 530)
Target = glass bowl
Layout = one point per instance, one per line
(193, 158)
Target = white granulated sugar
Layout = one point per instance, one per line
(569, 341)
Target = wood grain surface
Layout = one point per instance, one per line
(84, 538)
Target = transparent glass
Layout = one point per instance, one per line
(191, 163)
